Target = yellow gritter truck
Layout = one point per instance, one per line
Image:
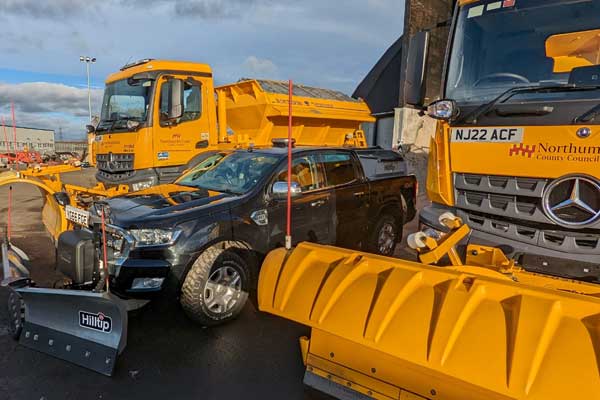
(516, 152)
(514, 163)
(160, 117)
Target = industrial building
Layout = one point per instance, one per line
(383, 89)
(32, 139)
(71, 146)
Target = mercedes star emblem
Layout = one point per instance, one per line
(573, 201)
(584, 132)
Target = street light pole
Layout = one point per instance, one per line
(88, 60)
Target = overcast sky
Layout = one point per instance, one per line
(327, 43)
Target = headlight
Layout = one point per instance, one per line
(148, 183)
(154, 237)
(443, 109)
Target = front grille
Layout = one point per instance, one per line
(114, 162)
(511, 207)
(503, 196)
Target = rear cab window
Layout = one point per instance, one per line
(339, 168)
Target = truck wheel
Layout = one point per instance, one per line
(385, 235)
(216, 288)
(16, 314)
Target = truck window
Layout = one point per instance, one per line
(306, 171)
(192, 101)
(339, 168)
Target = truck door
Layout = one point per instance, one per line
(310, 210)
(176, 141)
(349, 202)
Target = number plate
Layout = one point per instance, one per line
(500, 134)
(77, 215)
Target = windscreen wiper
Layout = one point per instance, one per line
(473, 117)
(99, 129)
(588, 116)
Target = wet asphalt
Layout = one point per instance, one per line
(167, 357)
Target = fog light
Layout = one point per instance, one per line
(147, 283)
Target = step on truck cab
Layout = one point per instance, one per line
(160, 117)
(516, 152)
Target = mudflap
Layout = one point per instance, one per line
(86, 328)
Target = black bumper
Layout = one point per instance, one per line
(139, 268)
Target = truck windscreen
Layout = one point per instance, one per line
(498, 45)
(125, 100)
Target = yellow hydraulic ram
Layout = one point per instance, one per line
(385, 328)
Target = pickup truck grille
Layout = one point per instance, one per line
(511, 207)
(113, 162)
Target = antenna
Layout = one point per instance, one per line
(288, 236)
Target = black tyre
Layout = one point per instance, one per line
(16, 314)
(386, 233)
(216, 288)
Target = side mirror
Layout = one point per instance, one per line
(280, 190)
(90, 128)
(414, 86)
(175, 99)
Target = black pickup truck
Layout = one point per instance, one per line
(205, 235)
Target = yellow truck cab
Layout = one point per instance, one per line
(516, 152)
(160, 117)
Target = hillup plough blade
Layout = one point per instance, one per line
(86, 328)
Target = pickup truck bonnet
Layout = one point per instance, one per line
(161, 201)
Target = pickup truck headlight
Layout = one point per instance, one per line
(154, 237)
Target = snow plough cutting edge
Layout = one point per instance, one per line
(393, 329)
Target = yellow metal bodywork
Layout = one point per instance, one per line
(48, 181)
(253, 115)
(257, 115)
(390, 328)
(439, 173)
(546, 152)
(575, 49)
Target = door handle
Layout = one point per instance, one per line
(359, 194)
(317, 203)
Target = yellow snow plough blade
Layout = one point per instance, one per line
(393, 329)
(48, 181)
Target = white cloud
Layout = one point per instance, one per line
(49, 106)
(260, 67)
(44, 97)
(320, 43)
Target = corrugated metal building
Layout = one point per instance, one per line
(71, 147)
(33, 139)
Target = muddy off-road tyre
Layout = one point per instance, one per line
(16, 314)
(216, 288)
(384, 236)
